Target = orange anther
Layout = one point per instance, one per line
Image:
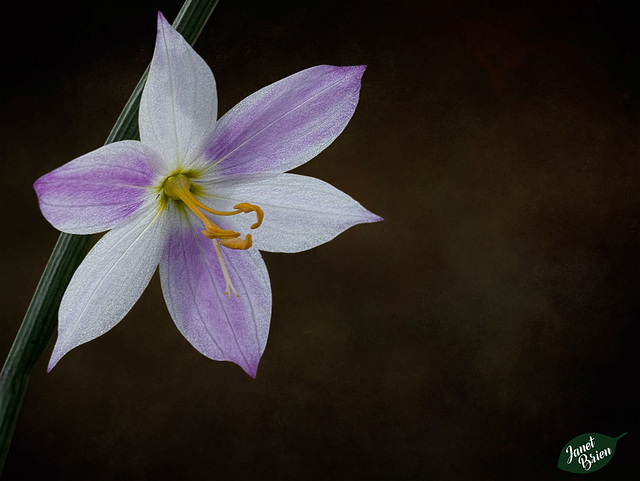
(241, 244)
(214, 232)
(245, 207)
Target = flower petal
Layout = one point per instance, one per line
(96, 191)
(286, 123)
(110, 280)
(299, 212)
(224, 328)
(179, 103)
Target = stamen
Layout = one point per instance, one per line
(237, 243)
(217, 233)
(225, 272)
(243, 207)
(178, 187)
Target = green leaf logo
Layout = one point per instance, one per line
(587, 453)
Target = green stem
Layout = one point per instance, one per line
(40, 319)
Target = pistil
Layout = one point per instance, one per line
(178, 187)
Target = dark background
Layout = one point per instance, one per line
(489, 319)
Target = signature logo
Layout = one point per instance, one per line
(587, 453)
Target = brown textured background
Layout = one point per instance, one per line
(489, 319)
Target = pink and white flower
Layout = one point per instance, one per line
(200, 197)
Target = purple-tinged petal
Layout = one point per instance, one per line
(178, 109)
(110, 280)
(96, 191)
(286, 123)
(299, 212)
(224, 328)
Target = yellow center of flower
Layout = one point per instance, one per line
(178, 187)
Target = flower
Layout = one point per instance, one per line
(200, 197)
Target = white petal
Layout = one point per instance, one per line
(287, 123)
(224, 328)
(299, 212)
(98, 190)
(110, 280)
(179, 103)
